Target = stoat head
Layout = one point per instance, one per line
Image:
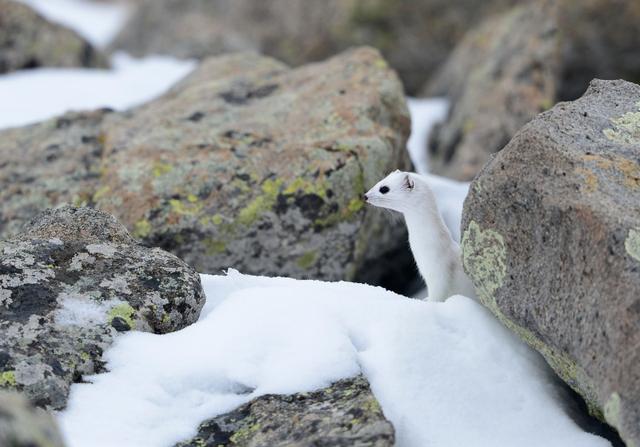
(399, 191)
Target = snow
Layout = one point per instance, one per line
(76, 310)
(450, 194)
(34, 95)
(425, 113)
(97, 22)
(445, 373)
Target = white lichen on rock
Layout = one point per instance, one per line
(5, 297)
(632, 243)
(106, 250)
(78, 261)
(118, 284)
(82, 310)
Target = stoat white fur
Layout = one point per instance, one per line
(434, 250)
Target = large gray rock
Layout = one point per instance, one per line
(345, 414)
(503, 74)
(245, 164)
(27, 40)
(22, 425)
(415, 36)
(520, 63)
(552, 244)
(70, 282)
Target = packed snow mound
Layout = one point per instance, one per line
(445, 373)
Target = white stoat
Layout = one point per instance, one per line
(435, 252)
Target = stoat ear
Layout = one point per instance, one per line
(408, 183)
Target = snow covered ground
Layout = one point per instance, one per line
(446, 374)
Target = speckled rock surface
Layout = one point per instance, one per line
(345, 414)
(22, 425)
(245, 164)
(27, 40)
(415, 36)
(502, 75)
(70, 282)
(552, 242)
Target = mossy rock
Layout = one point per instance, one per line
(344, 414)
(551, 243)
(245, 164)
(70, 282)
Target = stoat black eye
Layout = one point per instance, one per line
(384, 189)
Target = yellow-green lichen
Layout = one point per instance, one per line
(125, 312)
(625, 130)
(82, 199)
(159, 169)
(307, 187)
(381, 63)
(188, 208)
(372, 406)
(546, 103)
(101, 192)
(632, 243)
(216, 219)
(355, 205)
(307, 260)
(262, 203)
(213, 246)
(8, 378)
(142, 228)
(612, 410)
(240, 185)
(484, 257)
(244, 434)
(345, 213)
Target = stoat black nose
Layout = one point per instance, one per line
(366, 199)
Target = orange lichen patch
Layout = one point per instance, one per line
(629, 170)
(590, 179)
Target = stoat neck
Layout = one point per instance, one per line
(435, 252)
